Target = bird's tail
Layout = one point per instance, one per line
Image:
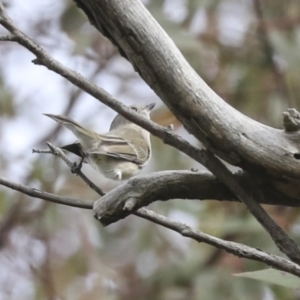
(85, 137)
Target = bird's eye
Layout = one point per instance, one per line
(134, 108)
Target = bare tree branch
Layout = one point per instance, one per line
(240, 140)
(58, 152)
(74, 97)
(232, 136)
(36, 193)
(8, 38)
(231, 247)
(142, 190)
(284, 243)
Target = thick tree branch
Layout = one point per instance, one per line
(108, 205)
(284, 243)
(184, 230)
(232, 136)
(231, 247)
(142, 190)
(240, 140)
(58, 152)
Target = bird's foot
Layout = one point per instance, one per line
(75, 169)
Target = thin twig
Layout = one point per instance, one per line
(42, 151)
(74, 97)
(58, 152)
(281, 239)
(37, 193)
(231, 247)
(7, 38)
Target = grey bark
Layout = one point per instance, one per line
(229, 134)
(144, 189)
(234, 137)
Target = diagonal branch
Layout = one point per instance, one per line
(231, 135)
(205, 157)
(145, 189)
(7, 38)
(58, 152)
(231, 247)
(107, 209)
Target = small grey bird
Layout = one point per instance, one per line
(118, 154)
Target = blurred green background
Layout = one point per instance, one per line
(247, 51)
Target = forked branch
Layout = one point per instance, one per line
(191, 97)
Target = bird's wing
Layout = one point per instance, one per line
(75, 148)
(118, 147)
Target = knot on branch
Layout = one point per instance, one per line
(291, 120)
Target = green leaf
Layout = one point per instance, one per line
(274, 277)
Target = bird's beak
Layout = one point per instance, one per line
(150, 106)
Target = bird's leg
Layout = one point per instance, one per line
(77, 167)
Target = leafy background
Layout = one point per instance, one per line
(247, 51)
